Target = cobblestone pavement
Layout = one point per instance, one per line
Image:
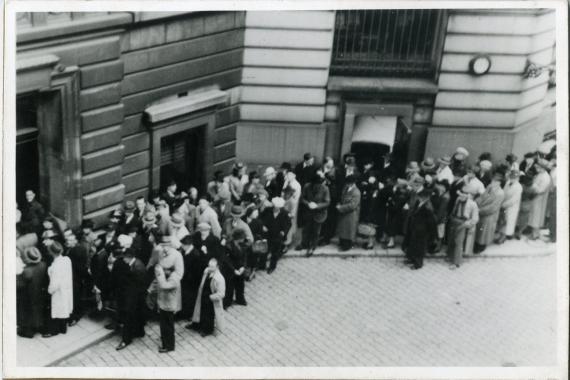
(371, 312)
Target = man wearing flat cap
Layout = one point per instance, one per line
(489, 204)
(276, 224)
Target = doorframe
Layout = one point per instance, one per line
(405, 111)
(206, 118)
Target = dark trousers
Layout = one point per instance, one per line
(274, 249)
(345, 244)
(311, 233)
(207, 316)
(58, 325)
(328, 229)
(236, 285)
(78, 301)
(167, 329)
(134, 321)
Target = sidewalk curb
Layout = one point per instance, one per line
(86, 343)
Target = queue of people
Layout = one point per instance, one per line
(186, 255)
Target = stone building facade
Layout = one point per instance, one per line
(112, 105)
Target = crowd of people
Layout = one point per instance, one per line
(186, 255)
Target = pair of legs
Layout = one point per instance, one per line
(235, 285)
(275, 250)
(345, 244)
(311, 234)
(56, 326)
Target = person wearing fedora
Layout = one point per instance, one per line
(234, 223)
(459, 161)
(236, 261)
(130, 218)
(443, 171)
(218, 188)
(32, 297)
(428, 167)
(489, 204)
(510, 207)
(276, 224)
(462, 221)
(176, 229)
(168, 274)
(315, 199)
(131, 298)
(348, 209)
(418, 238)
(539, 190)
(61, 290)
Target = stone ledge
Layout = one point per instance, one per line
(192, 102)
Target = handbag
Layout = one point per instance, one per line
(260, 246)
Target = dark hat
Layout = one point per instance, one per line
(118, 213)
(238, 234)
(237, 211)
(350, 179)
(55, 248)
(129, 206)
(238, 165)
(31, 255)
(87, 223)
(286, 166)
(350, 160)
(529, 155)
(307, 156)
(428, 164)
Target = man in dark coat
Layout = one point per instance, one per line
(204, 246)
(315, 200)
(276, 223)
(306, 170)
(440, 201)
(130, 219)
(348, 213)
(422, 230)
(131, 299)
(79, 256)
(32, 213)
(33, 295)
(236, 257)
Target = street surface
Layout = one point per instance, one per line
(371, 312)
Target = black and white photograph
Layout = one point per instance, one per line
(287, 187)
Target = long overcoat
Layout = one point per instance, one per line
(511, 205)
(169, 294)
(35, 281)
(218, 292)
(348, 213)
(489, 207)
(61, 287)
(540, 187)
(422, 229)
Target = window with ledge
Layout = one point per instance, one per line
(394, 43)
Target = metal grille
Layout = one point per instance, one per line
(400, 43)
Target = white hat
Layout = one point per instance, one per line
(278, 202)
(485, 165)
(125, 241)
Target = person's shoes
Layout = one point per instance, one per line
(48, 335)
(299, 248)
(416, 267)
(453, 266)
(192, 326)
(121, 346)
(270, 270)
(25, 335)
(242, 303)
(111, 326)
(204, 334)
(309, 253)
(509, 237)
(285, 250)
(72, 322)
(163, 350)
(251, 276)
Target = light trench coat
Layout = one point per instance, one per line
(489, 207)
(511, 205)
(218, 292)
(61, 287)
(540, 187)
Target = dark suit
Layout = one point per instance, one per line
(131, 300)
(420, 234)
(125, 226)
(32, 216)
(236, 255)
(305, 174)
(314, 218)
(277, 228)
(79, 256)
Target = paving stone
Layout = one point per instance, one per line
(371, 311)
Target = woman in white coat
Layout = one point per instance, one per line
(511, 203)
(61, 290)
(209, 310)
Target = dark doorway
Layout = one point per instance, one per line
(365, 152)
(27, 155)
(181, 159)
